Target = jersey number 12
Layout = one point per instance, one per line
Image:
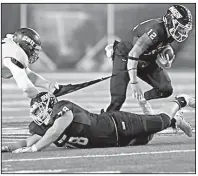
(151, 34)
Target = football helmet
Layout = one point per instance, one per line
(41, 107)
(29, 40)
(178, 21)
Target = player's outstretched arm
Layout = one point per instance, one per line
(40, 81)
(20, 144)
(21, 78)
(140, 46)
(55, 131)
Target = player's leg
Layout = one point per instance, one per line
(136, 126)
(158, 78)
(119, 83)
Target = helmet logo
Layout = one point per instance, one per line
(29, 40)
(175, 12)
(45, 96)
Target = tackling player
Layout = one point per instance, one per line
(144, 51)
(68, 125)
(18, 51)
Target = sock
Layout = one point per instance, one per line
(180, 101)
(173, 123)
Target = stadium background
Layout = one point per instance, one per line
(74, 37)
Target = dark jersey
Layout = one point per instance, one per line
(156, 31)
(87, 130)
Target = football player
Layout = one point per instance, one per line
(145, 51)
(68, 125)
(18, 51)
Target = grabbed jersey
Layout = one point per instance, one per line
(11, 50)
(87, 130)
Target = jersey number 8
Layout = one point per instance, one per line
(78, 140)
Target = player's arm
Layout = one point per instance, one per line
(29, 141)
(21, 78)
(40, 81)
(55, 131)
(143, 43)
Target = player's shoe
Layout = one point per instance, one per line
(182, 124)
(186, 100)
(145, 106)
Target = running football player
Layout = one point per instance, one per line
(145, 51)
(68, 125)
(18, 51)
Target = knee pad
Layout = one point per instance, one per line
(156, 123)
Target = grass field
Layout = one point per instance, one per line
(166, 153)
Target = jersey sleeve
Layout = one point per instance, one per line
(21, 78)
(156, 33)
(60, 109)
(11, 50)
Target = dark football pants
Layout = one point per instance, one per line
(138, 126)
(152, 74)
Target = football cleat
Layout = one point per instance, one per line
(145, 106)
(190, 101)
(182, 124)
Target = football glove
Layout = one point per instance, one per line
(166, 56)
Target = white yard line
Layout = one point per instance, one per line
(57, 171)
(99, 156)
(36, 171)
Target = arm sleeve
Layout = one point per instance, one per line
(40, 81)
(21, 78)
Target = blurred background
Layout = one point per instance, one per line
(74, 35)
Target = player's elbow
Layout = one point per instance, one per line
(30, 92)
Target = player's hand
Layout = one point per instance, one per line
(5, 149)
(136, 91)
(23, 150)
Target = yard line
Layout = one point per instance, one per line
(57, 171)
(36, 171)
(100, 156)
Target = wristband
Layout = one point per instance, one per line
(134, 82)
(34, 148)
(133, 58)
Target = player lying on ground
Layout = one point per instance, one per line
(18, 51)
(68, 125)
(146, 49)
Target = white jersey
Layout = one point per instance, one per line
(11, 50)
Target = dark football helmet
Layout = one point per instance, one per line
(41, 107)
(178, 20)
(29, 40)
